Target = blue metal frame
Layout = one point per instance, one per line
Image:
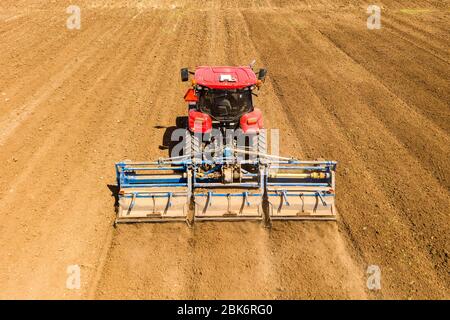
(129, 176)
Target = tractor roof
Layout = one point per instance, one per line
(225, 77)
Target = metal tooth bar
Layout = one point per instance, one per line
(146, 180)
(313, 194)
(153, 177)
(150, 220)
(324, 164)
(223, 161)
(224, 219)
(125, 169)
(235, 218)
(154, 191)
(303, 218)
(303, 162)
(228, 194)
(186, 161)
(239, 185)
(299, 184)
(299, 168)
(152, 163)
(329, 163)
(138, 185)
(152, 195)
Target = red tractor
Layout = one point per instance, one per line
(222, 97)
(220, 104)
(225, 172)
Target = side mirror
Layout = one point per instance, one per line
(184, 74)
(262, 74)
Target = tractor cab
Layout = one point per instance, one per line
(225, 105)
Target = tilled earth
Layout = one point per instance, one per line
(74, 102)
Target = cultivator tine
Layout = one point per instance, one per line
(227, 206)
(245, 202)
(133, 200)
(321, 199)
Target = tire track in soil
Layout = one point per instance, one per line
(86, 174)
(305, 45)
(46, 113)
(429, 144)
(60, 210)
(32, 62)
(430, 33)
(434, 149)
(165, 96)
(423, 86)
(321, 268)
(34, 81)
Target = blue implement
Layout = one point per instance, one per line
(226, 188)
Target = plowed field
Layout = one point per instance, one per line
(74, 102)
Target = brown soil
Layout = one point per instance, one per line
(72, 103)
